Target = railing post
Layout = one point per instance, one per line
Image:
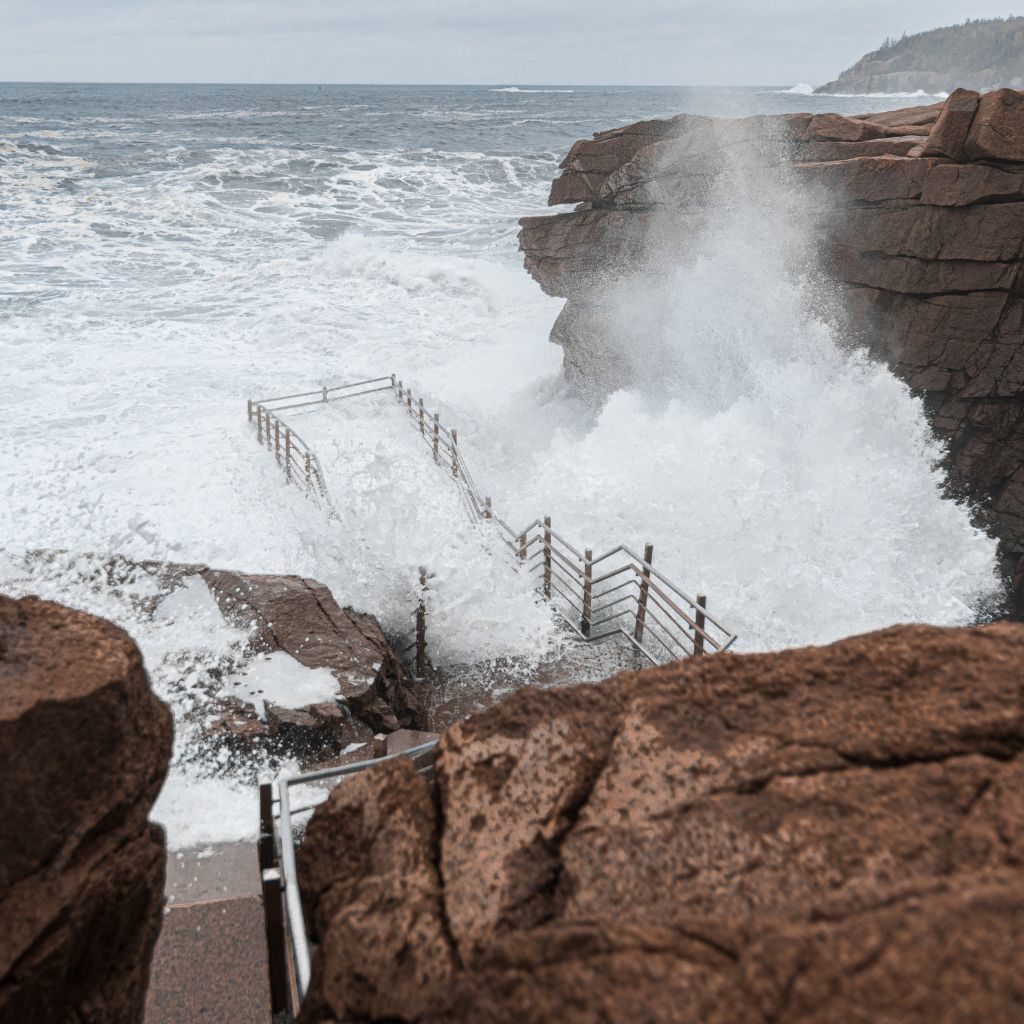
(273, 911)
(698, 633)
(309, 470)
(392, 382)
(248, 408)
(408, 401)
(259, 425)
(423, 429)
(288, 454)
(437, 437)
(488, 509)
(277, 441)
(588, 590)
(421, 627)
(547, 556)
(645, 586)
(269, 439)
(325, 394)
(455, 454)
(400, 391)
(522, 547)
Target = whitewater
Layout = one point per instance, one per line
(168, 252)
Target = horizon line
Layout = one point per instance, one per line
(406, 85)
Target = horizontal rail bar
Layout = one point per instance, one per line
(548, 549)
(632, 582)
(571, 584)
(617, 572)
(611, 604)
(322, 401)
(320, 391)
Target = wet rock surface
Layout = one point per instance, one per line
(300, 617)
(926, 241)
(84, 748)
(825, 834)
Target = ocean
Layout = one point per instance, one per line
(167, 252)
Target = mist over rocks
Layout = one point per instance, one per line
(84, 749)
(908, 237)
(824, 834)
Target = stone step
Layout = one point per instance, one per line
(210, 964)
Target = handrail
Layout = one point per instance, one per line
(287, 935)
(555, 558)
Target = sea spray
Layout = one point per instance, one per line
(184, 249)
(789, 476)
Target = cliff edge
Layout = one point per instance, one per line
(922, 244)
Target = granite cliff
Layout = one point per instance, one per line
(919, 237)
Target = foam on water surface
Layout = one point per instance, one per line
(183, 251)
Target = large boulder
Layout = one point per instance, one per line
(997, 130)
(84, 748)
(300, 617)
(925, 238)
(821, 835)
(948, 136)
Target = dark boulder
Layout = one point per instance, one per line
(84, 748)
(828, 834)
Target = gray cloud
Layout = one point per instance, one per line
(656, 42)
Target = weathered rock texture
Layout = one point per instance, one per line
(927, 244)
(301, 617)
(84, 748)
(823, 835)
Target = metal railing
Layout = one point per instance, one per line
(615, 593)
(299, 462)
(288, 949)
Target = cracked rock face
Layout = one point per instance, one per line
(821, 835)
(84, 748)
(301, 617)
(926, 241)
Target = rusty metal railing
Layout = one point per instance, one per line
(615, 593)
(293, 455)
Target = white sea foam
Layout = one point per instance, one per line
(916, 95)
(803, 89)
(281, 680)
(791, 480)
(514, 88)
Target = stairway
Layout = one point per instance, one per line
(210, 964)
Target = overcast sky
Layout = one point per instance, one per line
(628, 42)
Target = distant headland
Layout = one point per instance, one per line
(979, 54)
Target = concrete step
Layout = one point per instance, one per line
(210, 964)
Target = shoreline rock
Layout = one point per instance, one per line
(824, 834)
(84, 749)
(926, 244)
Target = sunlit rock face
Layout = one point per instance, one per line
(903, 232)
(826, 834)
(84, 749)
